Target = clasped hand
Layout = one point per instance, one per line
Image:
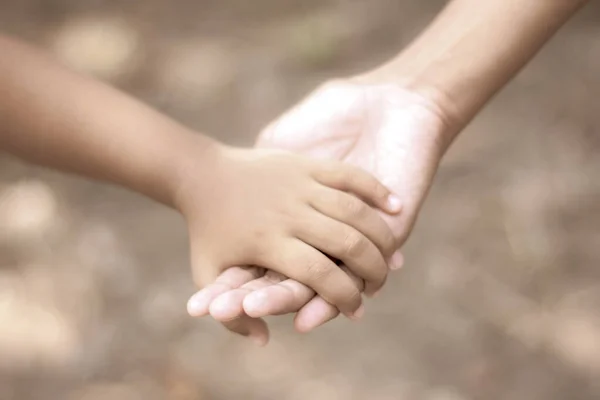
(394, 134)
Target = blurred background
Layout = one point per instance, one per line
(500, 296)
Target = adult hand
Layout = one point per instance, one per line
(392, 132)
(397, 134)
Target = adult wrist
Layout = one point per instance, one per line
(426, 94)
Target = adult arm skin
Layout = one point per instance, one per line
(472, 50)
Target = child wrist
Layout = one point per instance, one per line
(195, 171)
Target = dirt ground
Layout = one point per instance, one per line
(501, 291)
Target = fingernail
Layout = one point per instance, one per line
(394, 203)
(196, 307)
(359, 313)
(255, 303)
(397, 260)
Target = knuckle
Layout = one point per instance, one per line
(349, 177)
(323, 169)
(337, 173)
(337, 176)
(354, 244)
(351, 205)
(317, 270)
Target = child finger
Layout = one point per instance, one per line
(307, 265)
(354, 212)
(317, 311)
(283, 298)
(356, 180)
(347, 244)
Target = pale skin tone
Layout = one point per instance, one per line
(266, 208)
(395, 121)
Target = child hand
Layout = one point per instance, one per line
(289, 214)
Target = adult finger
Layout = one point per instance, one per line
(220, 298)
(227, 308)
(314, 314)
(285, 297)
(253, 328)
(231, 278)
(229, 305)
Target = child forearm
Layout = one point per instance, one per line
(474, 48)
(243, 207)
(56, 118)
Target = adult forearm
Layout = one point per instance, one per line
(473, 49)
(53, 117)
